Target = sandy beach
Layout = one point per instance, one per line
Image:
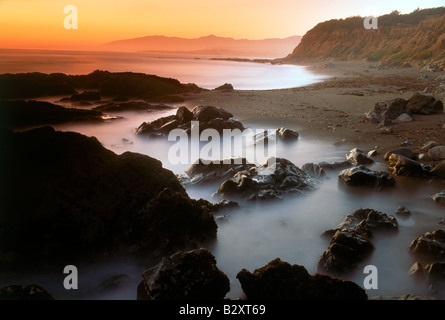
(334, 108)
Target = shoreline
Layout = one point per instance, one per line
(335, 107)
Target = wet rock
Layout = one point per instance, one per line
(346, 251)
(437, 153)
(403, 212)
(390, 109)
(402, 166)
(224, 205)
(435, 273)
(417, 271)
(286, 134)
(207, 113)
(31, 292)
(203, 172)
(207, 117)
(190, 275)
(430, 144)
(358, 157)
(429, 247)
(173, 221)
(401, 151)
(184, 115)
(362, 176)
(372, 153)
(279, 280)
(423, 104)
(439, 170)
(366, 222)
(313, 170)
(271, 180)
(82, 201)
(439, 197)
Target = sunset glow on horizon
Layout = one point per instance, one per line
(39, 23)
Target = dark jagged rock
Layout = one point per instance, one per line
(358, 157)
(20, 113)
(429, 247)
(422, 104)
(403, 212)
(401, 166)
(439, 197)
(130, 106)
(279, 280)
(313, 170)
(184, 276)
(31, 292)
(346, 250)
(435, 273)
(390, 109)
(67, 197)
(286, 134)
(86, 96)
(112, 84)
(362, 176)
(268, 181)
(207, 113)
(208, 117)
(402, 152)
(367, 222)
(203, 172)
(173, 221)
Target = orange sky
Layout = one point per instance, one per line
(39, 23)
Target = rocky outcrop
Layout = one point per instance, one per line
(350, 241)
(422, 104)
(367, 222)
(429, 247)
(387, 110)
(433, 275)
(346, 251)
(402, 212)
(207, 117)
(104, 83)
(67, 197)
(31, 292)
(203, 172)
(268, 181)
(361, 176)
(190, 275)
(86, 96)
(439, 170)
(279, 280)
(358, 157)
(20, 113)
(401, 166)
(313, 170)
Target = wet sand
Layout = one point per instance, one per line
(334, 109)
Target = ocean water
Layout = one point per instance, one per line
(198, 69)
